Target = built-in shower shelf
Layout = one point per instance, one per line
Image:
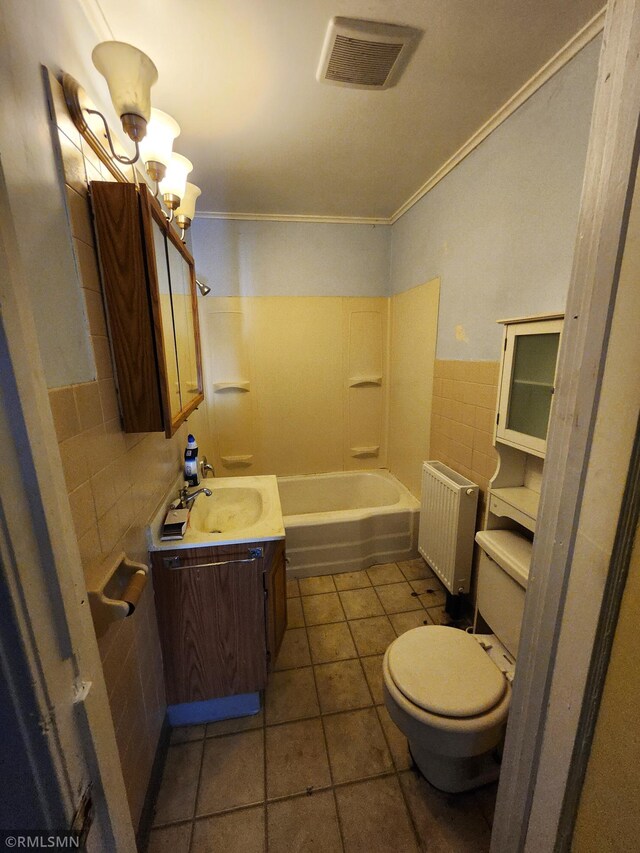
(234, 385)
(365, 452)
(242, 461)
(356, 381)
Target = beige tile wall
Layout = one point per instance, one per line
(464, 410)
(115, 482)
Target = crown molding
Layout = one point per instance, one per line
(92, 11)
(282, 217)
(558, 61)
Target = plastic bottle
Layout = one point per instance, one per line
(191, 462)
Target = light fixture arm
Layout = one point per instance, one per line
(126, 161)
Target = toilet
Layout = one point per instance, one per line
(449, 691)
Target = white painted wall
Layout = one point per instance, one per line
(499, 230)
(243, 258)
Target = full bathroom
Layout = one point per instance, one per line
(296, 432)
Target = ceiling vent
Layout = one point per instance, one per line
(365, 54)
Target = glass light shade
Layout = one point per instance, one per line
(157, 144)
(188, 204)
(129, 73)
(175, 181)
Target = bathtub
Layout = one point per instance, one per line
(347, 521)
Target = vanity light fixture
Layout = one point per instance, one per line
(174, 184)
(185, 213)
(130, 74)
(157, 146)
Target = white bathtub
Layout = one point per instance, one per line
(347, 521)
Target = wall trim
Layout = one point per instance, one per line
(285, 217)
(558, 61)
(96, 18)
(566, 53)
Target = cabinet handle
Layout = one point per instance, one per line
(174, 562)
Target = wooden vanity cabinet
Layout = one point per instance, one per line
(221, 617)
(148, 278)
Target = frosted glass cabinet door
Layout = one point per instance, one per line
(527, 384)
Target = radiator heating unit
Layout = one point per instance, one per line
(447, 524)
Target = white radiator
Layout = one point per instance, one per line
(447, 524)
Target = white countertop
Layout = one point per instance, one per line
(240, 509)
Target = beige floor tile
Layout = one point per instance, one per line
(360, 603)
(237, 724)
(385, 573)
(397, 597)
(372, 636)
(351, 580)
(179, 785)
(373, 673)
(293, 589)
(396, 741)
(296, 758)
(356, 745)
(232, 772)
(317, 585)
(291, 695)
(445, 821)
(374, 818)
(238, 832)
(342, 686)
(294, 651)
(439, 615)
(414, 570)
(295, 619)
(308, 824)
(184, 734)
(409, 619)
(321, 609)
(171, 839)
(432, 593)
(331, 642)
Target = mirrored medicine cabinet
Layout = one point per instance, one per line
(149, 287)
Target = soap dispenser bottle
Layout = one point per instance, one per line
(191, 462)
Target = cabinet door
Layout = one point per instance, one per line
(527, 384)
(276, 598)
(211, 622)
(166, 320)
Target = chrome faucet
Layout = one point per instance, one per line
(206, 470)
(186, 499)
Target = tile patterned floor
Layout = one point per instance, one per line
(323, 768)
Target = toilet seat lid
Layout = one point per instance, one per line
(445, 671)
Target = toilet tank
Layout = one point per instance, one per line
(503, 572)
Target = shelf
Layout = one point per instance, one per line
(533, 383)
(365, 452)
(238, 385)
(516, 502)
(355, 381)
(237, 461)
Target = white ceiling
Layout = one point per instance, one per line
(266, 138)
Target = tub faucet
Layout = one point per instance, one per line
(206, 470)
(186, 499)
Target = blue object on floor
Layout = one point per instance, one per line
(212, 710)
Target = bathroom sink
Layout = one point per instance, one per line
(226, 510)
(240, 509)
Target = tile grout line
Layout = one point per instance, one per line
(195, 799)
(324, 733)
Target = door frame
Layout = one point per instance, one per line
(579, 510)
(65, 723)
